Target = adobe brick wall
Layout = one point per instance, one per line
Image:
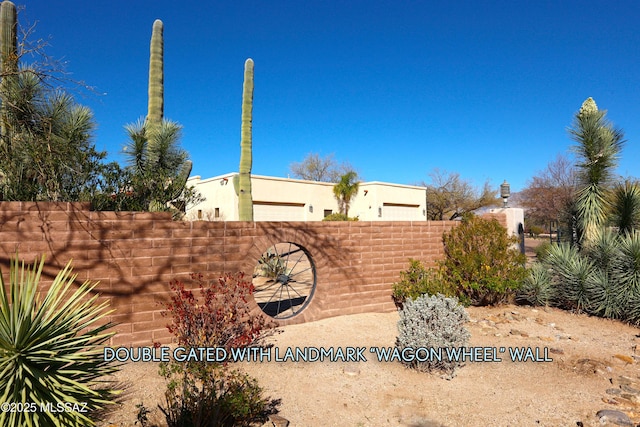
(135, 255)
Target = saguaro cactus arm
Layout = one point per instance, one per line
(245, 200)
(156, 75)
(8, 60)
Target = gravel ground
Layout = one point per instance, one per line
(594, 366)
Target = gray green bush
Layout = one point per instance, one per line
(433, 322)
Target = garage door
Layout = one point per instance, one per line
(271, 211)
(399, 212)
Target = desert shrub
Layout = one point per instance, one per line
(418, 280)
(221, 317)
(433, 322)
(51, 349)
(202, 394)
(535, 230)
(482, 261)
(339, 217)
(542, 250)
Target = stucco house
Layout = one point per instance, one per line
(285, 199)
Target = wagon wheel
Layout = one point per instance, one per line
(284, 280)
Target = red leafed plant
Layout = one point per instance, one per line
(221, 317)
(202, 394)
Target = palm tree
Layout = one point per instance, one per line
(598, 148)
(345, 190)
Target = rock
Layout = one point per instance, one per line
(613, 391)
(630, 397)
(519, 333)
(554, 350)
(624, 358)
(351, 370)
(625, 380)
(278, 421)
(613, 417)
(630, 389)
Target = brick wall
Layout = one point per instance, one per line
(135, 255)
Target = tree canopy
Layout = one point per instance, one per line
(317, 168)
(449, 196)
(550, 193)
(46, 147)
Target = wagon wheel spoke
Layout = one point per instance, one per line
(284, 280)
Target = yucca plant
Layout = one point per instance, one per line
(600, 275)
(570, 272)
(597, 151)
(625, 206)
(537, 288)
(50, 349)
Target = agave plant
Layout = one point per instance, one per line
(50, 349)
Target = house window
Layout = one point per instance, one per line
(217, 213)
(199, 213)
(327, 212)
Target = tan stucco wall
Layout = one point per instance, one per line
(371, 203)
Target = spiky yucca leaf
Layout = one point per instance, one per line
(50, 348)
(625, 206)
(630, 260)
(570, 271)
(604, 294)
(597, 151)
(604, 251)
(537, 288)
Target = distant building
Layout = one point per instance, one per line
(284, 199)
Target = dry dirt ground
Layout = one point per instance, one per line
(595, 366)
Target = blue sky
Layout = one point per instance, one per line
(483, 88)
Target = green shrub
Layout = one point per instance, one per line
(213, 394)
(535, 230)
(542, 250)
(432, 322)
(339, 217)
(51, 349)
(418, 280)
(483, 262)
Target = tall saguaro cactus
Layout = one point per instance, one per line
(8, 58)
(156, 76)
(245, 200)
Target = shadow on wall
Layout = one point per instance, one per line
(135, 255)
